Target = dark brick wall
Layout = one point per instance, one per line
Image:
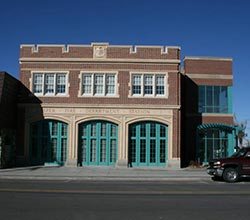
(9, 87)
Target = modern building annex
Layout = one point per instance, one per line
(108, 105)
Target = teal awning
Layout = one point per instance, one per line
(220, 126)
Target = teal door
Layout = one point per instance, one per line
(148, 144)
(48, 142)
(97, 143)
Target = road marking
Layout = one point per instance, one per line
(141, 192)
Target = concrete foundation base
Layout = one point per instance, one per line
(122, 163)
(174, 164)
(71, 163)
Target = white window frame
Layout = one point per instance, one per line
(164, 84)
(58, 84)
(104, 85)
(55, 75)
(111, 85)
(138, 83)
(151, 84)
(51, 84)
(91, 84)
(143, 76)
(99, 84)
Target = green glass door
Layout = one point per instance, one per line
(97, 143)
(148, 144)
(213, 144)
(48, 142)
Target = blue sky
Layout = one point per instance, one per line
(219, 28)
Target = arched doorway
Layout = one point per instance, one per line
(148, 144)
(48, 142)
(97, 143)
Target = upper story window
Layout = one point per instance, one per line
(148, 85)
(99, 84)
(214, 99)
(50, 84)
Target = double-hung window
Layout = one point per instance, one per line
(110, 84)
(38, 83)
(86, 84)
(160, 85)
(50, 84)
(61, 84)
(137, 84)
(148, 85)
(99, 84)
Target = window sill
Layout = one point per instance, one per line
(148, 97)
(216, 114)
(98, 96)
(52, 96)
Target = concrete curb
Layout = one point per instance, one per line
(91, 178)
(103, 174)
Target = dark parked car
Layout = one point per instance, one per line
(231, 168)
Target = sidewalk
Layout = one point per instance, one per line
(104, 173)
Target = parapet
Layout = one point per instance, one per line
(209, 70)
(98, 51)
(208, 65)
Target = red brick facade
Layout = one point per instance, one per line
(177, 109)
(124, 61)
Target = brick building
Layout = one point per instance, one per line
(108, 105)
(207, 113)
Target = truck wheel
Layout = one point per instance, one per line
(231, 175)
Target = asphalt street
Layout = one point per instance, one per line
(67, 199)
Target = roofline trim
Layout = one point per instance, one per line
(104, 60)
(132, 47)
(208, 76)
(208, 58)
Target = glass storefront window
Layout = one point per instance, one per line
(212, 144)
(213, 99)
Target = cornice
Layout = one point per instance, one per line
(100, 60)
(208, 76)
(209, 58)
(71, 105)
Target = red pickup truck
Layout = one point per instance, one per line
(231, 168)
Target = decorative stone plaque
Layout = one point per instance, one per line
(100, 51)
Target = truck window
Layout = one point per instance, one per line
(239, 153)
